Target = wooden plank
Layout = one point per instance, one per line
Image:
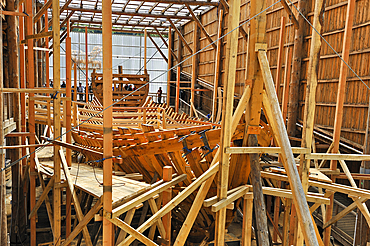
(280, 54)
(287, 155)
(261, 150)
(43, 196)
(349, 157)
(134, 202)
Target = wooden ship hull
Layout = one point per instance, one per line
(132, 97)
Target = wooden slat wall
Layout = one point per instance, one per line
(356, 102)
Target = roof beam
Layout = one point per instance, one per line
(165, 42)
(116, 24)
(159, 49)
(195, 18)
(42, 10)
(180, 35)
(131, 13)
(61, 11)
(190, 2)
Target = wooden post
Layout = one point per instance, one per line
(46, 52)
(31, 116)
(217, 65)
(166, 198)
(194, 64)
(227, 109)
(107, 121)
(87, 66)
(247, 221)
(298, 54)
(288, 69)
(169, 66)
(340, 101)
(23, 84)
(67, 121)
(177, 89)
(145, 49)
(280, 55)
(3, 218)
(257, 42)
(310, 102)
(75, 83)
(57, 129)
(14, 154)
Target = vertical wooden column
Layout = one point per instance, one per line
(280, 55)
(3, 219)
(310, 102)
(107, 121)
(57, 128)
(47, 52)
(257, 42)
(31, 115)
(87, 67)
(298, 54)
(22, 64)
(227, 109)
(217, 65)
(14, 154)
(340, 101)
(145, 49)
(68, 122)
(194, 65)
(75, 94)
(166, 198)
(287, 76)
(177, 102)
(247, 220)
(169, 66)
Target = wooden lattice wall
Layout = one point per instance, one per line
(356, 98)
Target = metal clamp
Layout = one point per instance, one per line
(205, 142)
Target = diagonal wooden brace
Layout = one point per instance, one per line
(76, 202)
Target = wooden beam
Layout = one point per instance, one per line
(159, 49)
(83, 223)
(13, 13)
(169, 66)
(107, 119)
(226, 123)
(32, 90)
(203, 190)
(75, 199)
(139, 236)
(280, 55)
(194, 67)
(37, 36)
(31, 114)
(298, 54)
(204, 31)
(190, 2)
(142, 198)
(177, 100)
(217, 65)
(161, 36)
(290, 14)
(349, 157)
(261, 150)
(166, 198)
(43, 9)
(126, 13)
(287, 155)
(175, 201)
(180, 35)
(44, 195)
